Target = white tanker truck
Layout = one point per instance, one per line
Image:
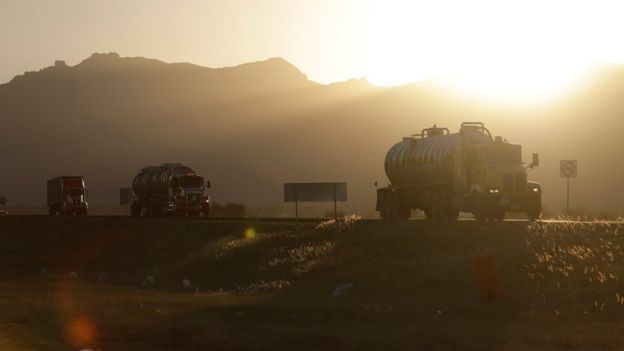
(470, 171)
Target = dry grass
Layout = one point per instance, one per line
(413, 285)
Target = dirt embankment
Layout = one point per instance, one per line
(242, 285)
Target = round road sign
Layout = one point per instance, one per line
(568, 169)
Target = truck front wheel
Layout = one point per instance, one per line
(498, 214)
(479, 210)
(534, 212)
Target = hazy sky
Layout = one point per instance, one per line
(514, 47)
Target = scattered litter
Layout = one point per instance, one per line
(342, 290)
(148, 281)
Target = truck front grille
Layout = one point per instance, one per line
(508, 183)
(194, 199)
(521, 182)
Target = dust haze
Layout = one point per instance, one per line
(252, 127)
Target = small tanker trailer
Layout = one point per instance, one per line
(470, 171)
(169, 189)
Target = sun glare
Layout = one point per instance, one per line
(493, 49)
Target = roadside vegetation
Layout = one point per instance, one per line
(162, 284)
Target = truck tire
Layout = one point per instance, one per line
(156, 210)
(534, 211)
(453, 214)
(384, 213)
(439, 205)
(498, 214)
(534, 214)
(477, 205)
(431, 204)
(449, 210)
(428, 214)
(393, 208)
(403, 212)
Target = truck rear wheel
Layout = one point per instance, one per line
(393, 207)
(453, 214)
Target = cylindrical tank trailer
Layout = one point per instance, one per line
(169, 189)
(470, 171)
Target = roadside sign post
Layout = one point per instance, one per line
(335, 204)
(568, 169)
(315, 192)
(296, 206)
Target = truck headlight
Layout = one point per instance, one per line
(535, 190)
(494, 191)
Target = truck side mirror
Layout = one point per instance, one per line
(535, 161)
(208, 184)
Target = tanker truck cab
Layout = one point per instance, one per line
(445, 173)
(169, 189)
(498, 181)
(189, 195)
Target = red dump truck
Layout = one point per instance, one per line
(66, 196)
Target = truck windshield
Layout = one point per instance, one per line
(191, 181)
(502, 155)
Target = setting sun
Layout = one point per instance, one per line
(504, 50)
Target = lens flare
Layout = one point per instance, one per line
(81, 331)
(250, 233)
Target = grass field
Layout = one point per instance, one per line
(172, 284)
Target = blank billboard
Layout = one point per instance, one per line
(315, 192)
